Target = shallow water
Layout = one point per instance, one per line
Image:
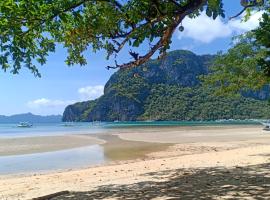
(48, 129)
(115, 149)
(52, 129)
(58, 160)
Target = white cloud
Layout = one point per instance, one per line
(91, 92)
(240, 27)
(206, 30)
(50, 106)
(47, 103)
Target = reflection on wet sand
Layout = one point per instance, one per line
(116, 149)
(22, 158)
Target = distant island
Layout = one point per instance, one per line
(168, 89)
(29, 117)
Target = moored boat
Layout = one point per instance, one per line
(24, 125)
(267, 127)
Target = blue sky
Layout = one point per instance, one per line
(61, 85)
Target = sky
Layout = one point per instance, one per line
(61, 85)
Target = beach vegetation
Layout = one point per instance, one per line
(246, 65)
(32, 29)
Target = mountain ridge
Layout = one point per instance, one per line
(167, 90)
(29, 117)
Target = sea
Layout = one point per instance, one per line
(56, 129)
(78, 157)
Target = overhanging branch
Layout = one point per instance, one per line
(165, 39)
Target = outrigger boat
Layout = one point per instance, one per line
(24, 125)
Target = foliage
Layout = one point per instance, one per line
(238, 69)
(199, 104)
(78, 111)
(169, 90)
(30, 29)
(262, 35)
(246, 65)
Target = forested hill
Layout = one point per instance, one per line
(29, 117)
(167, 90)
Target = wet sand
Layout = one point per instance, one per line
(122, 144)
(200, 163)
(116, 149)
(29, 145)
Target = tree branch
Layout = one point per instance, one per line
(164, 40)
(241, 12)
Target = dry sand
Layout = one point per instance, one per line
(196, 134)
(229, 163)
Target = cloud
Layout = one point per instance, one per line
(91, 92)
(239, 26)
(85, 93)
(47, 103)
(51, 106)
(205, 29)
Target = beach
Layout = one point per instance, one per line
(217, 162)
(29, 145)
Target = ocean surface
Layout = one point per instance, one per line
(48, 129)
(77, 157)
(53, 129)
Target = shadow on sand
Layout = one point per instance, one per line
(208, 183)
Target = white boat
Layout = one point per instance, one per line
(266, 127)
(24, 125)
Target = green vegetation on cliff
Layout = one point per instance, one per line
(178, 103)
(167, 90)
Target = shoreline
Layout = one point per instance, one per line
(130, 172)
(242, 150)
(150, 135)
(43, 144)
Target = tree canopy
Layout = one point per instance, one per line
(30, 29)
(247, 64)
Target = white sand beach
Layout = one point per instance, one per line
(200, 163)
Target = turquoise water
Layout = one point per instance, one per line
(51, 129)
(179, 123)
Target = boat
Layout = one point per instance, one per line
(266, 124)
(266, 127)
(24, 125)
